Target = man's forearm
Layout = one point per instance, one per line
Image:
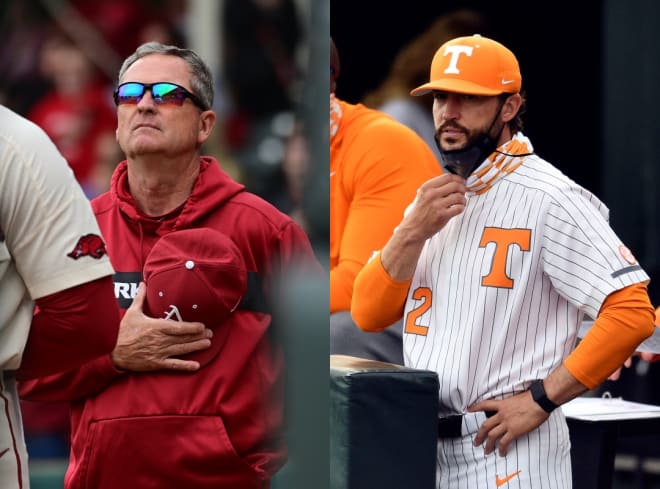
(400, 255)
(72, 327)
(561, 386)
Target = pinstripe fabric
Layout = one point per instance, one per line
(540, 458)
(508, 282)
(13, 452)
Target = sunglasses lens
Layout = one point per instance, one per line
(130, 93)
(168, 93)
(162, 93)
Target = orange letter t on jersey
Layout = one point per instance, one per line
(503, 239)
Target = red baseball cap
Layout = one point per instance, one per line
(473, 65)
(195, 275)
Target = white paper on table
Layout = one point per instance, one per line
(608, 409)
(649, 345)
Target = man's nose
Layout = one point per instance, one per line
(452, 107)
(146, 101)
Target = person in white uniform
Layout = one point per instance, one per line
(52, 256)
(493, 268)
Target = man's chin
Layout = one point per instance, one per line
(452, 141)
(452, 146)
(145, 146)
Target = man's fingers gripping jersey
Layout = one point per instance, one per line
(437, 201)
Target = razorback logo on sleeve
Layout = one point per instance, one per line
(88, 245)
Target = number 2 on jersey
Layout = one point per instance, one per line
(421, 294)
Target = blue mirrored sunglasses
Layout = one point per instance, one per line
(161, 92)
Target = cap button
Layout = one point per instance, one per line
(190, 264)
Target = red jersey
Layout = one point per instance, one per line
(220, 426)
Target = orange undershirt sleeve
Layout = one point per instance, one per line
(624, 321)
(378, 300)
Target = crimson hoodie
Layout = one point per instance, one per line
(220, 426)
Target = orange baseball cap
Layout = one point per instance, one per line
(473, 65)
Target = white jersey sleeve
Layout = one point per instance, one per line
(582, 255)
(49, 238)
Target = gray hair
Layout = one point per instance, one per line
(201, 78)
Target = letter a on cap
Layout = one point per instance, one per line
(455, 52)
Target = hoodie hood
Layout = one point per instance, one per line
(212, 190)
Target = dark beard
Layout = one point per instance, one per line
(463, 161)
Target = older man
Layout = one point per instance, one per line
(195, 402)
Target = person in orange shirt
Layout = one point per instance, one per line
(376, 167)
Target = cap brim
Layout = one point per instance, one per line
(454, 86)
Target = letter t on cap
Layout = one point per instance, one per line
(455, 52)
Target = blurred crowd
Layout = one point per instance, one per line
(60, 59)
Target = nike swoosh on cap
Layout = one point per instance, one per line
(506, 82)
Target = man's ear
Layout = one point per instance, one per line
(206, 123)
(511, 107)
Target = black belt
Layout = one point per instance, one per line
(450, 427)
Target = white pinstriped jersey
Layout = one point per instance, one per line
(499, 293)
(540, 459)
(43, 215)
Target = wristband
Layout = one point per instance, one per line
(540, 397)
